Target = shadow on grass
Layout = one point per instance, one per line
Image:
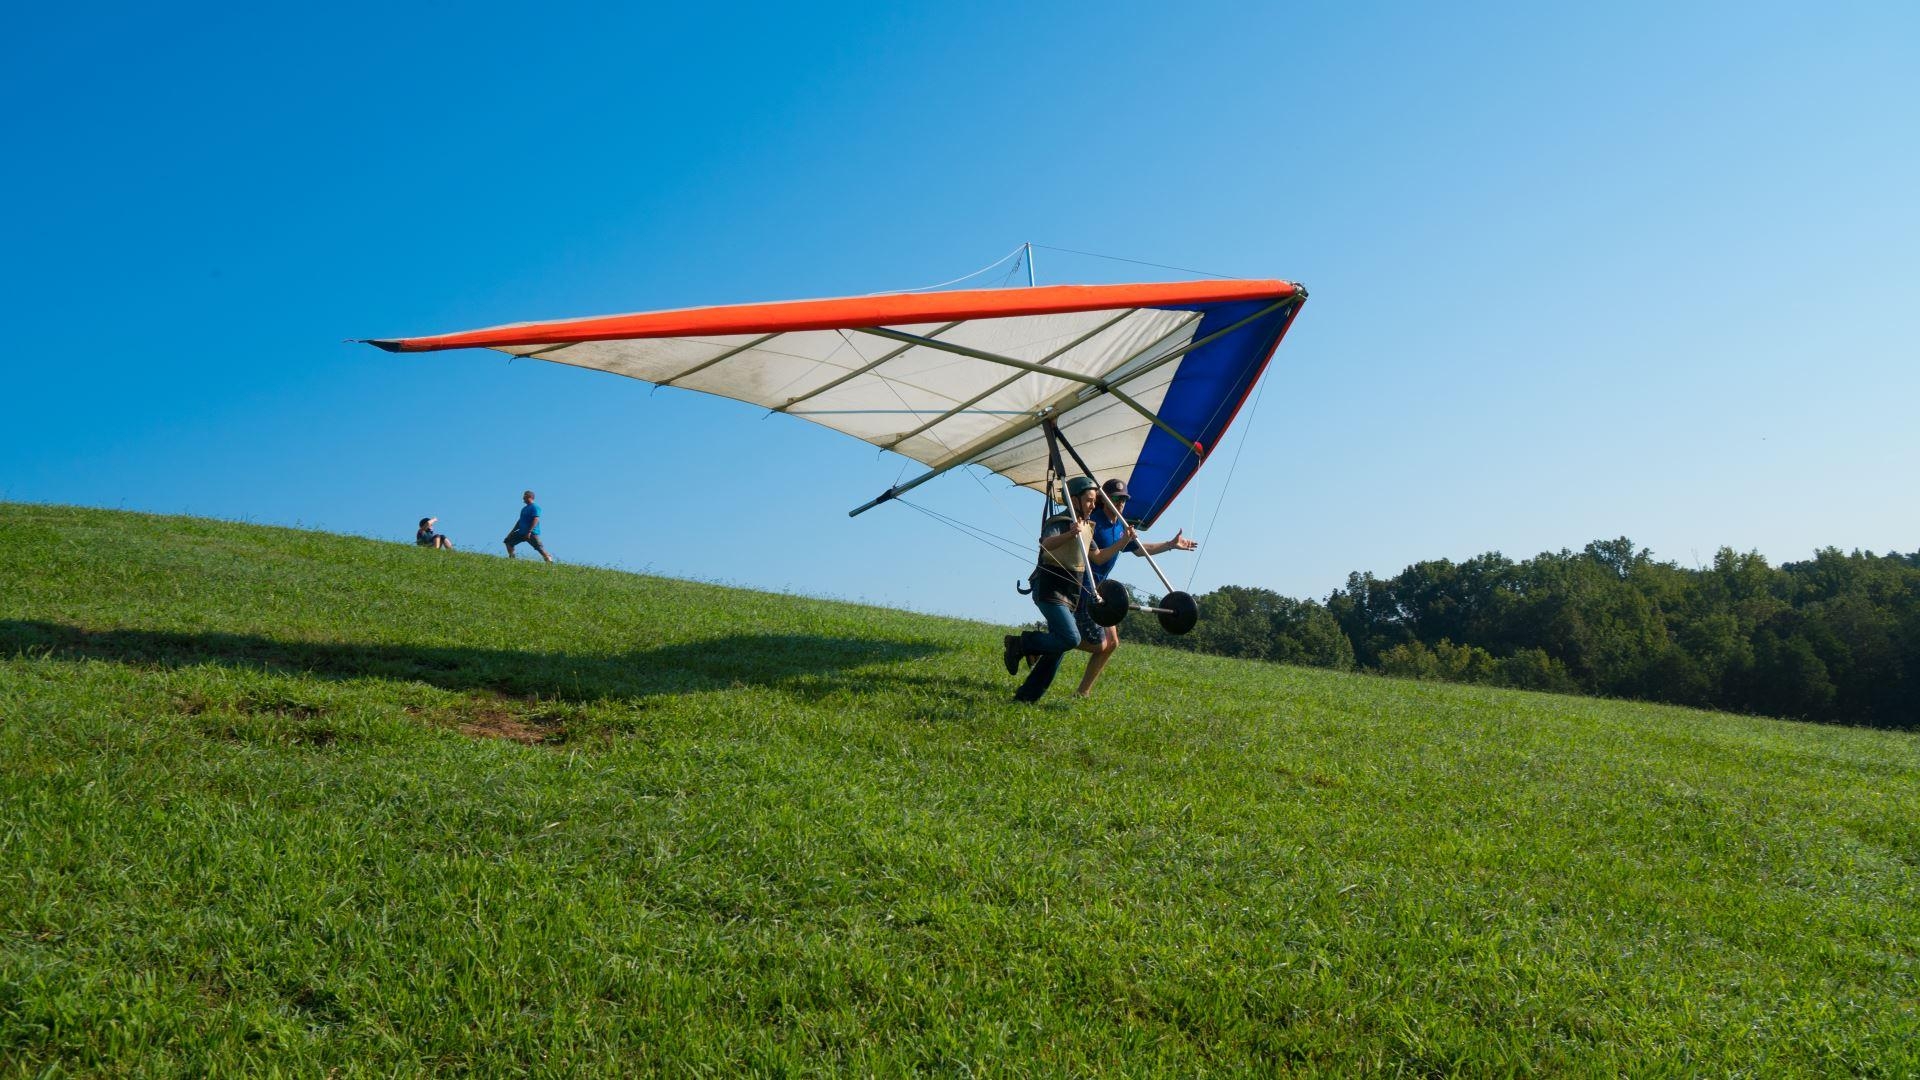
(808, 664)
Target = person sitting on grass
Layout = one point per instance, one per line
(426, 537)
(1056, 589)
(527, 529)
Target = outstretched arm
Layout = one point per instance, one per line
(1178, 543)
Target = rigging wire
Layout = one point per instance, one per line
(1246, 432)
(994, 497)
(1019, 254)
(992, 540)
(976, 273)
(1014, 269)
(1141, 262)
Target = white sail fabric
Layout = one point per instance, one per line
(929, 404)
(1139, 379)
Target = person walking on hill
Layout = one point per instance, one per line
(426, 537)
(527, 529)
(1064, 541)
(1111, 536)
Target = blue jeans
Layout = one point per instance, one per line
(1062, 633)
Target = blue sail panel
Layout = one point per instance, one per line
(1208, 388)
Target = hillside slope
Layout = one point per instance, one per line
(276, 798)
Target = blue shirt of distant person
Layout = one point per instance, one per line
(527, 529)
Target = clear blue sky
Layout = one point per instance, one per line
(1641, 269)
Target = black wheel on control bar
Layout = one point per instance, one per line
(1180, 613)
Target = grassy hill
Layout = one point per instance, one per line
(277, 799)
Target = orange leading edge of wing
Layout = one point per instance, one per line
(895, 309)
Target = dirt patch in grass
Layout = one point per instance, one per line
(492, 723)
(528, 722)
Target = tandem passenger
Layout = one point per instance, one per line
(1056, 578)
(1111, 536)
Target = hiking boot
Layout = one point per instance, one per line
(1010, 654)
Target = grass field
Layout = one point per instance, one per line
(275, 800)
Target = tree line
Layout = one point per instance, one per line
(1835, 638)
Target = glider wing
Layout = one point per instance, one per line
(1143, 379)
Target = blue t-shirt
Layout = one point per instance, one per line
(1106, 534)
(527, 526)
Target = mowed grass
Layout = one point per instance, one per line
(285, 801)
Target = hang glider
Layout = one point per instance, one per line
(1142, 378)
